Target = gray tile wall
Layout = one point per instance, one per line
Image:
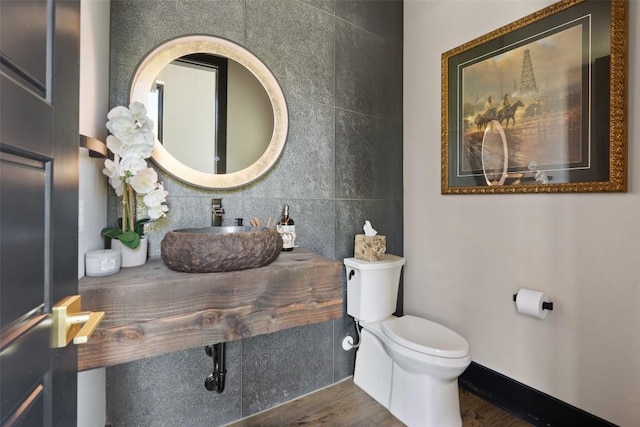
(340, 66)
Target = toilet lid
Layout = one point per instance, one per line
(425, 336)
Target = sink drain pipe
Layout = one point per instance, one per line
(215, 381)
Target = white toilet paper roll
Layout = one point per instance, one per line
(529, 302)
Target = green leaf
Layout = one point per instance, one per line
(111, 232)
(130, 239)
(138, 227)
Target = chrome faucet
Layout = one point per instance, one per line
(216, 212)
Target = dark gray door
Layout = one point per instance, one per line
(39, 75)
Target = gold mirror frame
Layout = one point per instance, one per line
(144, 81)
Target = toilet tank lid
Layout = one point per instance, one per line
(389, 261)
(425, 336)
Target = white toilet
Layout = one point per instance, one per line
(408, 364)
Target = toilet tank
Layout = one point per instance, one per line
(372, 287)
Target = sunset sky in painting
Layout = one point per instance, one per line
(556, 60)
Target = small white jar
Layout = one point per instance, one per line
(102, 262)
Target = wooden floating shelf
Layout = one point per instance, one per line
(151, 310)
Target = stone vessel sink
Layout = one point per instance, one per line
(216, 249)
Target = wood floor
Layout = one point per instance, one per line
(345, 404)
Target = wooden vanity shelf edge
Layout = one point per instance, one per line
(151, 310)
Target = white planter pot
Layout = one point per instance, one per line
(131, 257)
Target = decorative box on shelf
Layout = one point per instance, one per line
(370, 248)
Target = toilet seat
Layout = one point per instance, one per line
(425, 336)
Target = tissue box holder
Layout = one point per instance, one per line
(370, 248)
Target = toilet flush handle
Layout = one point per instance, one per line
(351, 274)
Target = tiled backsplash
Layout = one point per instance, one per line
(340, 66)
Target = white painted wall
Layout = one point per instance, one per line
(466, 255)
(94, 104)
(249, 118)
(190, 97)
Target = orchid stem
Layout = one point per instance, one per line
(124, 209)
(131, 206)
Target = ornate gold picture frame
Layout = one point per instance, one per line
(539, 105)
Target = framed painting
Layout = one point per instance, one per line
(539, 105)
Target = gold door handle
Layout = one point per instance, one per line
(69, 323)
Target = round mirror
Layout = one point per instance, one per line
(221, 117)
(495, 154)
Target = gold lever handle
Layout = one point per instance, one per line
(87, 329)
(69, 323)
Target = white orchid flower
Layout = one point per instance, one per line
(119, 111)
(121, 126)
(144, 181)
(112, 170)
(137, 146)
(156, 197)
(138, 110)
(132, 141)
(111, 167)
(123, 121)
(154, 201)
(139, 151)
(132, 165)
(114, 145)
(157, 212)
(117, 185)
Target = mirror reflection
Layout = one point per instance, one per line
(221, 116)
(221, 97)
(495, 154)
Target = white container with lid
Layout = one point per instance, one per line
(102, 262)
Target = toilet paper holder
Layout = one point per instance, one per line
(545, 305)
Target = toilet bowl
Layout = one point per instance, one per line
(408, 364)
